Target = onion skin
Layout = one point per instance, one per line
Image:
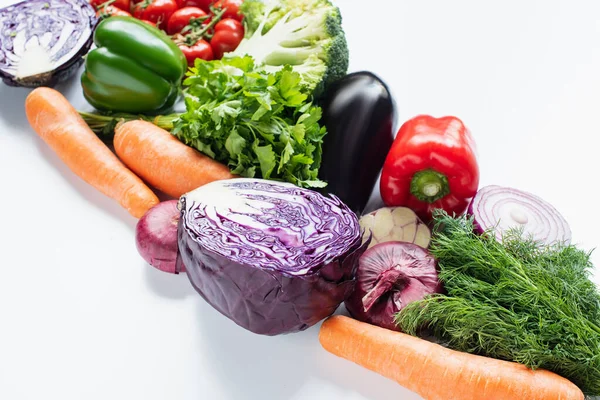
(156, 237)
(383, 289)
(524, 210)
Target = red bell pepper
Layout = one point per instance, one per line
(431, 164)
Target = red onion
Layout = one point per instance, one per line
(390, 276)
(156, 236)
(500, 209)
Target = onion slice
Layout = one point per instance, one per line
(501, 209)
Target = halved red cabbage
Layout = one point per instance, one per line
(42, 42)
(271, 256)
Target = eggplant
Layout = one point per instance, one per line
(42, 42)
(359, 114)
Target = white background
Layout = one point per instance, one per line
(83, 317)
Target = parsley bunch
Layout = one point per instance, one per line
(260, 124)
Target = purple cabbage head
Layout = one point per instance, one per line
(271, 256)
(42, 42)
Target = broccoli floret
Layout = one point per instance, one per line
(306, 34)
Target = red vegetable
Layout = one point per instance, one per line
(156, 236)
(203, 4)
(182, 17)
(157, 11)
(224, 41)
(232, 8)
(110, 11)
(432, 164)
(124, 5)
(391, 275)
(230, 25)
(202, 49)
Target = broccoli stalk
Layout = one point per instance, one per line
(306, 34)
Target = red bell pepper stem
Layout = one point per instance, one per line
(432, 164)
(429, 185)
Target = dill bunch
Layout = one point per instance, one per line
(514, 301)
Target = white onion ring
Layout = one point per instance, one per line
(500, 208)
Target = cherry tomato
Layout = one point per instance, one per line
(149, 22)
(201, 49)
(230, 24)
(233, 8)
(182, 17)
(158, 11)
(203, 4)
(110, 11)
(223, 42)
(124, 5)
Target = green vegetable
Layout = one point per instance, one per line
(136, 68)
(513, 301)
(306, 34)
(104, 124)
(259, 124)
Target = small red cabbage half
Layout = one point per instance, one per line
(271, 256)
(42, 42)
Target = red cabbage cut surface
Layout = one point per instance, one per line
(271, 256)
(42, 42)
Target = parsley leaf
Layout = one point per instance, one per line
(260, 124)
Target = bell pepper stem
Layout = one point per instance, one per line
(429, 186)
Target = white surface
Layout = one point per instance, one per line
(83, 317)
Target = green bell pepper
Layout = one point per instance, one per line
(136, 68)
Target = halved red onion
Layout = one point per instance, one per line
(501, 208)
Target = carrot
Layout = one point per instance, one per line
(55, 120)
(435, 372)
(163, 161)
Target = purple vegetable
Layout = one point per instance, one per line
(272, 257)
(391, 275)
(42, 42)
(501, 209)
(156, 236)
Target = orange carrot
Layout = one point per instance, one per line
(163, 161)
(438, 373)
(55, 120)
